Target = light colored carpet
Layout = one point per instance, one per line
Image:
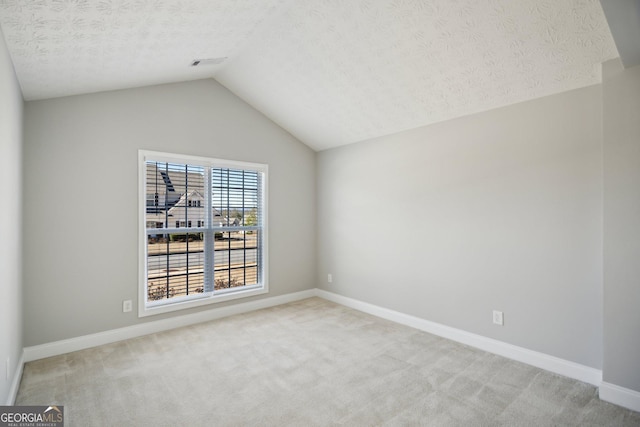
(308, 363)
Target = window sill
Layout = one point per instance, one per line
(144, 310)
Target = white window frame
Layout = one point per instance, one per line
(181, 303)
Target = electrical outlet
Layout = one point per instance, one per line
(498, 317)
(329, 278)
(126, 306)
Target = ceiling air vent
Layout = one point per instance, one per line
(208, 61)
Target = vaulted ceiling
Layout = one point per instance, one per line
(331, 72)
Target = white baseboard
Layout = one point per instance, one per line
(540, 360)
(15, 382)
(608, 392)
(620, 396)
(86, 341)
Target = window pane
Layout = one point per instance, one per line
(174, 194)
(235, 196)
(175, 265)
(236, 259)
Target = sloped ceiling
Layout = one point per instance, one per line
(331, 72)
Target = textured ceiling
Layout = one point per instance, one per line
(67, 47)
(331, 72)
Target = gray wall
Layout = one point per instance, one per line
(498, 210)
(81, 196)
(11, 110)
(621, 95)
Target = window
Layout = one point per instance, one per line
(225, 256)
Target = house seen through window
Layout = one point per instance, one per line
(224, 255)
